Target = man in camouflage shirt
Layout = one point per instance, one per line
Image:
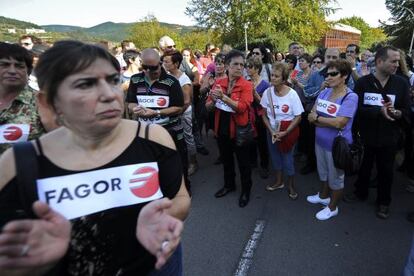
(19, 118)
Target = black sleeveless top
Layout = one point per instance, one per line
(105, 243)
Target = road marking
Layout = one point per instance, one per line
(246, 259)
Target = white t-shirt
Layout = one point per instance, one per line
(184, 80)
(286, 107)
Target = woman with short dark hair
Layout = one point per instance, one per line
(333, 112)
(232, 97)
(96, 169)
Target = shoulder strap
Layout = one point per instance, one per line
(39, 146)
(267, 71)
(343, 98)
(147, 127)
(382, 90)
(138, 128)
(27, 171)
(269, 96)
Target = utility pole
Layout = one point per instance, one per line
(245, 37)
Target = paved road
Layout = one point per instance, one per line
(292, 242)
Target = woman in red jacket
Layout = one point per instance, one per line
(232, 97)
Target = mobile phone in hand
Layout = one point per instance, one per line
(385, 98)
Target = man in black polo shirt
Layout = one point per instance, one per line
(156, 97)
(383, 106)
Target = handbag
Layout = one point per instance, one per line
(244, 134)
(347, 157)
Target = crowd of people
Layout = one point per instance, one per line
(120, 129)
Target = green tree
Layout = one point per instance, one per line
(196, 40)
(300, 20)
(401, 28)
(148, 31)
(369, 36)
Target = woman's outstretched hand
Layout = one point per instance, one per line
(34, 244)
(157, 231)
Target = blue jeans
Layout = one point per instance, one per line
(409, 267)
(174, 265)
(281, 161)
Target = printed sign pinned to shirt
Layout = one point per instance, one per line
(14, 133)
(327, 107)
(153, 101)
(85, 193)
(376, 99)
(223, 106)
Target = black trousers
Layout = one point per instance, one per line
(384, 159)
(182, 151)
(307, 140)
(228, 148)
(261, 145)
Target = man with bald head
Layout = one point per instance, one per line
(156, 97)
(316, 84)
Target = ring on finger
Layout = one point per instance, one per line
(25, 250)
(164, 244)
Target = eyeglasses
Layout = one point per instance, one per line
(150, 67)
(317, 62)
(170, 47)
(256, 53)
(332, 74)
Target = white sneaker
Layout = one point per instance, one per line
(326, 213)
(315, 199)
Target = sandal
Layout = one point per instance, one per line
(293, 196)
(274, 187)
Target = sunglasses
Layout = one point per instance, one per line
(256, 53)
(171, 46)
(250, 66)
(350, 51)
(150, 67)
(317, 62)
(27, 44)
(332, 74)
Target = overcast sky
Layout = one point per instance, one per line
(88, 13)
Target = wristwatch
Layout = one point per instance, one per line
(158, 113)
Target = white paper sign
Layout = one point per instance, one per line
(153, 101)
(327, 107)
(14, 133)
(221, 105)
(376, 99)
(86, 193)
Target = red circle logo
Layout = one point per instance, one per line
(285, 108)
(146, 183)
(331, 109)
(12, 133)
(161, 101)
